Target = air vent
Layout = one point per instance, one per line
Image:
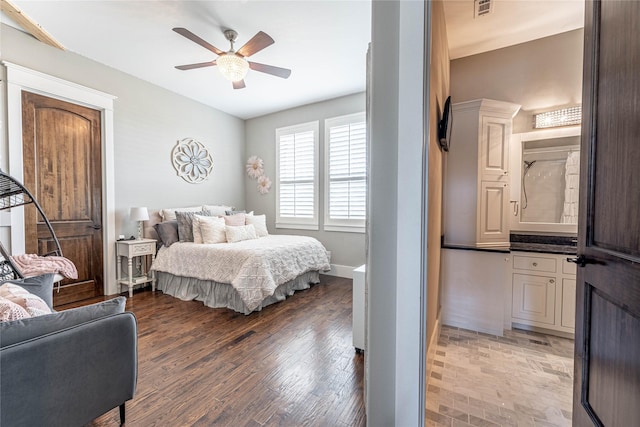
(481, 8)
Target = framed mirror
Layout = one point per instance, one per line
(545, 171)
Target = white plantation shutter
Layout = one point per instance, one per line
(346, 173)
(297, 148)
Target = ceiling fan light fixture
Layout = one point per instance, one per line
(232, 66)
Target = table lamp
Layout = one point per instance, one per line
(139, 214)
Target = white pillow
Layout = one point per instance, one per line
(259, 222)
(212, 229)
(240, 233)
(169, 214)
(197, 235)
(217, 210)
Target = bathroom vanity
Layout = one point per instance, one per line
(543, 283)
(510, 223)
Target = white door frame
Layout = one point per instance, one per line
(20, 78)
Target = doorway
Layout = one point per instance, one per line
(20, 79)
(62, 165)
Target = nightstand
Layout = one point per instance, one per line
(131, 249)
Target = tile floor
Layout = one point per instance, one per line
(523, 379)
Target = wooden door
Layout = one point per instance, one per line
(62, 169)
(607, 357)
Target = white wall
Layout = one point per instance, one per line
(394, 360)
(148, 120)
(540, 75)
(347, 249)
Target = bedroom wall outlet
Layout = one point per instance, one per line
(329, 253)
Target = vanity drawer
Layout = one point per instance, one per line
(534, 263)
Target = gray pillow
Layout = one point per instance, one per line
(26, 329)
(167, 232)
(185, 225)
(41, 286)
(233, 212)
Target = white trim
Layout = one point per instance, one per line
(345, 228)
(20, 78)
(295, 226)
(338, 270)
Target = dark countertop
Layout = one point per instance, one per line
(565, 244)
(544, 247)
(502, 249)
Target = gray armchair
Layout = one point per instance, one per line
(68, 368)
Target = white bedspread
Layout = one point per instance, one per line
(253, 267)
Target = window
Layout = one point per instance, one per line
(345, 173)
(297, 176)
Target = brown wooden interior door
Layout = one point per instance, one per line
(62, 169)
(607, 363)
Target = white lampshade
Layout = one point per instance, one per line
(139, 214)
(232, 66)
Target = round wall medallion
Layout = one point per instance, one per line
(192, 161)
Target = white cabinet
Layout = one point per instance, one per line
(534, 298)
(493, 228)
(473, 289)
(568, 317)
(476, 193)
(543, 291)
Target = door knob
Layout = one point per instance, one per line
(96, 226)
(581, 260)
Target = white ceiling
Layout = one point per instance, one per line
(323, 42)
(510, 22)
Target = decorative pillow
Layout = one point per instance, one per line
(234, 220)
(185, 225)
(233, 212)
(213, 229)
(32, 304)
(217, 210)
(240, 233)
(169, 214)
(25, 329)
(41, 286)
(167, 232)
(259, 222)
(9, 311)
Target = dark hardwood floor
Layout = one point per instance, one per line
(292, 364)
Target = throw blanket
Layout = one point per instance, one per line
(34, 265)
(255, 268)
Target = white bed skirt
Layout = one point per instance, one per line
(223, 295)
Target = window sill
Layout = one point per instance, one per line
(344, 228)
(297, 226)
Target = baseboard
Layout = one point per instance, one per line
(431, 349)
(345, 271)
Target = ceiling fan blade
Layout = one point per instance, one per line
(256, 44)
(239, 84)
(270, 69)
(188, 34)
(199, 65)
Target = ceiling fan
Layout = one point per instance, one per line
(233, 64)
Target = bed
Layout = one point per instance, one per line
(244, 276)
